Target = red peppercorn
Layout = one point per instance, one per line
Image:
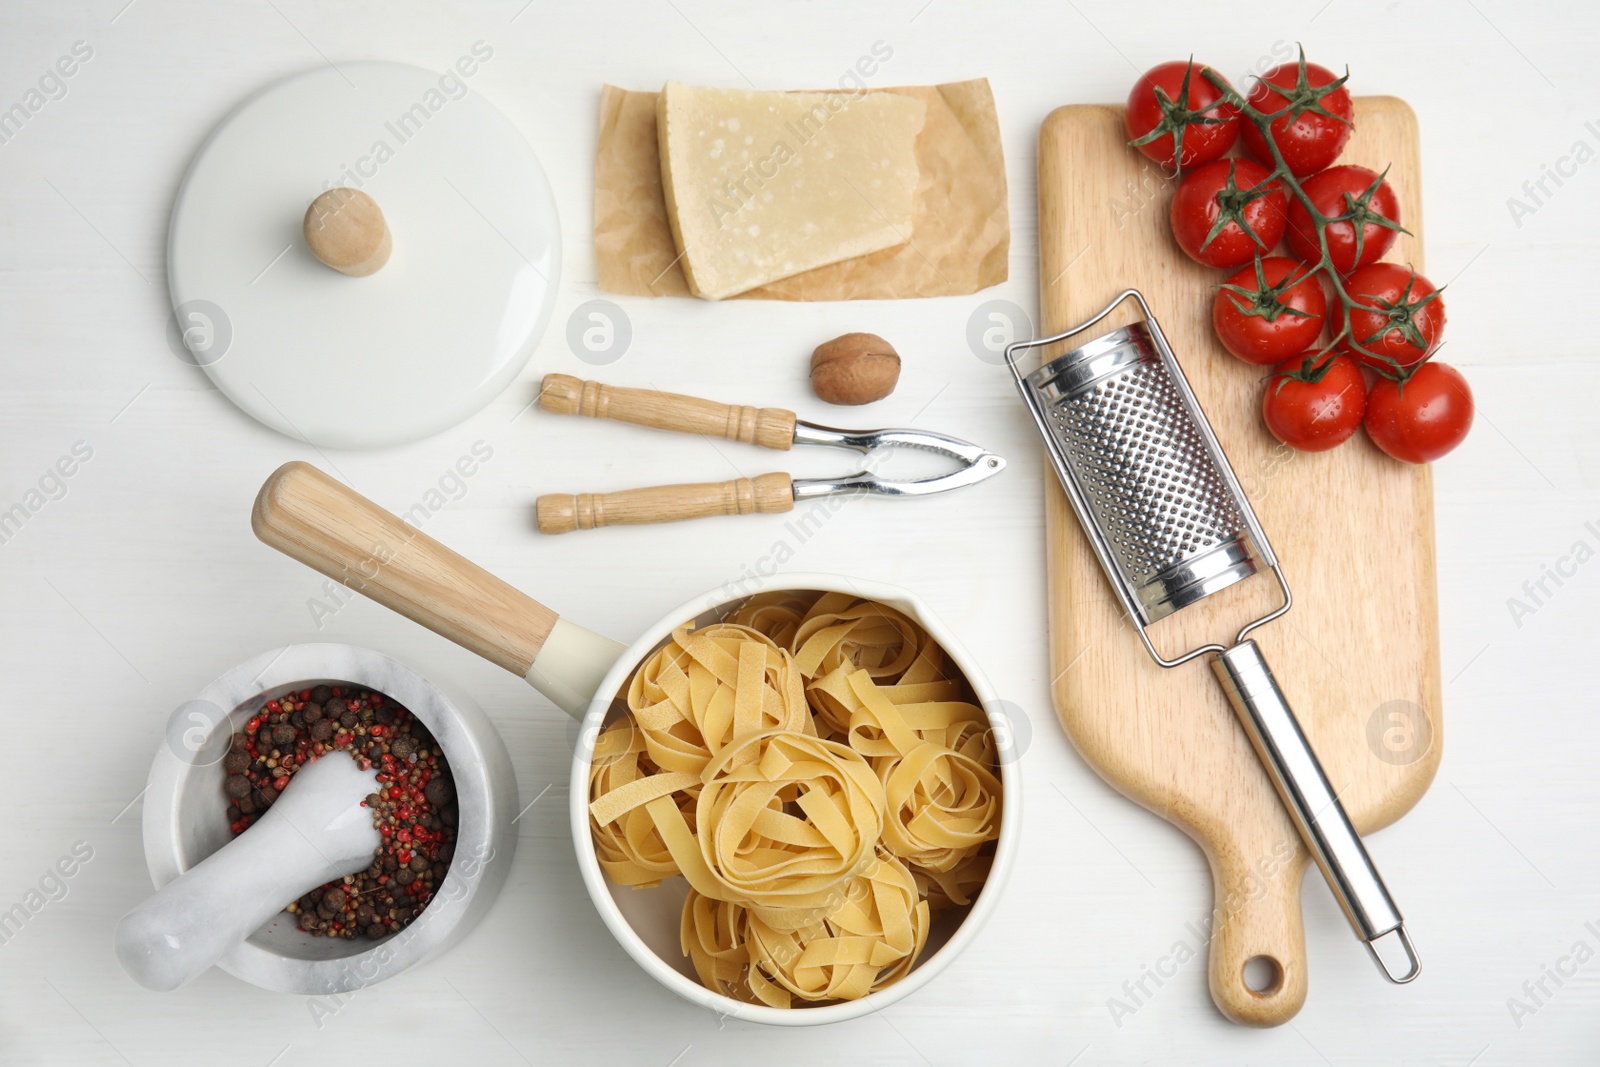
(404, 802)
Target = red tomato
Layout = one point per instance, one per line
(1397, 319)
(1424, 418)
(1225, 212)
(1269, 311)
(1368, 211)
(1314, 116)
(1176, 100)
(1314, 416)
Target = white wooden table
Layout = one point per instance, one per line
(136, 580)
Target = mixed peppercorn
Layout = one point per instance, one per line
(414, 807)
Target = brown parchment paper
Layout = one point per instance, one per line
(960, 233)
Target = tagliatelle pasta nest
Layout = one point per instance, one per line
(630, 848)
(869, 939)
(707, 687)
(759, 853)
(819, 773)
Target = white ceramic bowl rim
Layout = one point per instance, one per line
(594, 879)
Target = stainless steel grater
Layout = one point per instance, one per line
(1170, 525)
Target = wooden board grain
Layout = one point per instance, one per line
(1358, 654)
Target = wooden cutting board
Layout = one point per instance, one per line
(1357, 656)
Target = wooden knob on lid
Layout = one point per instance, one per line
(345, 229)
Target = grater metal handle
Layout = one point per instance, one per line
(1314, 806)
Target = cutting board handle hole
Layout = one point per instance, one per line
(1263, 975)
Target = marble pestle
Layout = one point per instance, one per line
(318, 830)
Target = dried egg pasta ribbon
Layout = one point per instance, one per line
(777, 614)
(876, 724)
(873, 637)
(705, 689)
(870, 938)
(942, 805)
(713, 934)
(630, 849)
(751, 850)
(838, 639)
(957, 886)
(943, 800)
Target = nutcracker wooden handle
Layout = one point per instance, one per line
(563, 394)
(765, 493)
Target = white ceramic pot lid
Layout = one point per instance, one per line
(429, 339)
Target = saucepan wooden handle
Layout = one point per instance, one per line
(563, 513)
(563, 394)
(328, 526)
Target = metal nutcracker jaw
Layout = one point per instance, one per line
(976, 463)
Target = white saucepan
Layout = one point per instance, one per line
(311, 517)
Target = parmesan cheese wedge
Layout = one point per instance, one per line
(763, 185)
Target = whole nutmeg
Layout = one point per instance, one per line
(856, 368)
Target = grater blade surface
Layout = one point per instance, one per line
(1148, 482)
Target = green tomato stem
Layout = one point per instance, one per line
(1263, 121)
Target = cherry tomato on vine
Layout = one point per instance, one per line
(1423, 418)
(1314, 116)
(1175, 100)
(1313, 410)
(1269, 311)
(1226, 212)
(1368, 211)
(1397, 319)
